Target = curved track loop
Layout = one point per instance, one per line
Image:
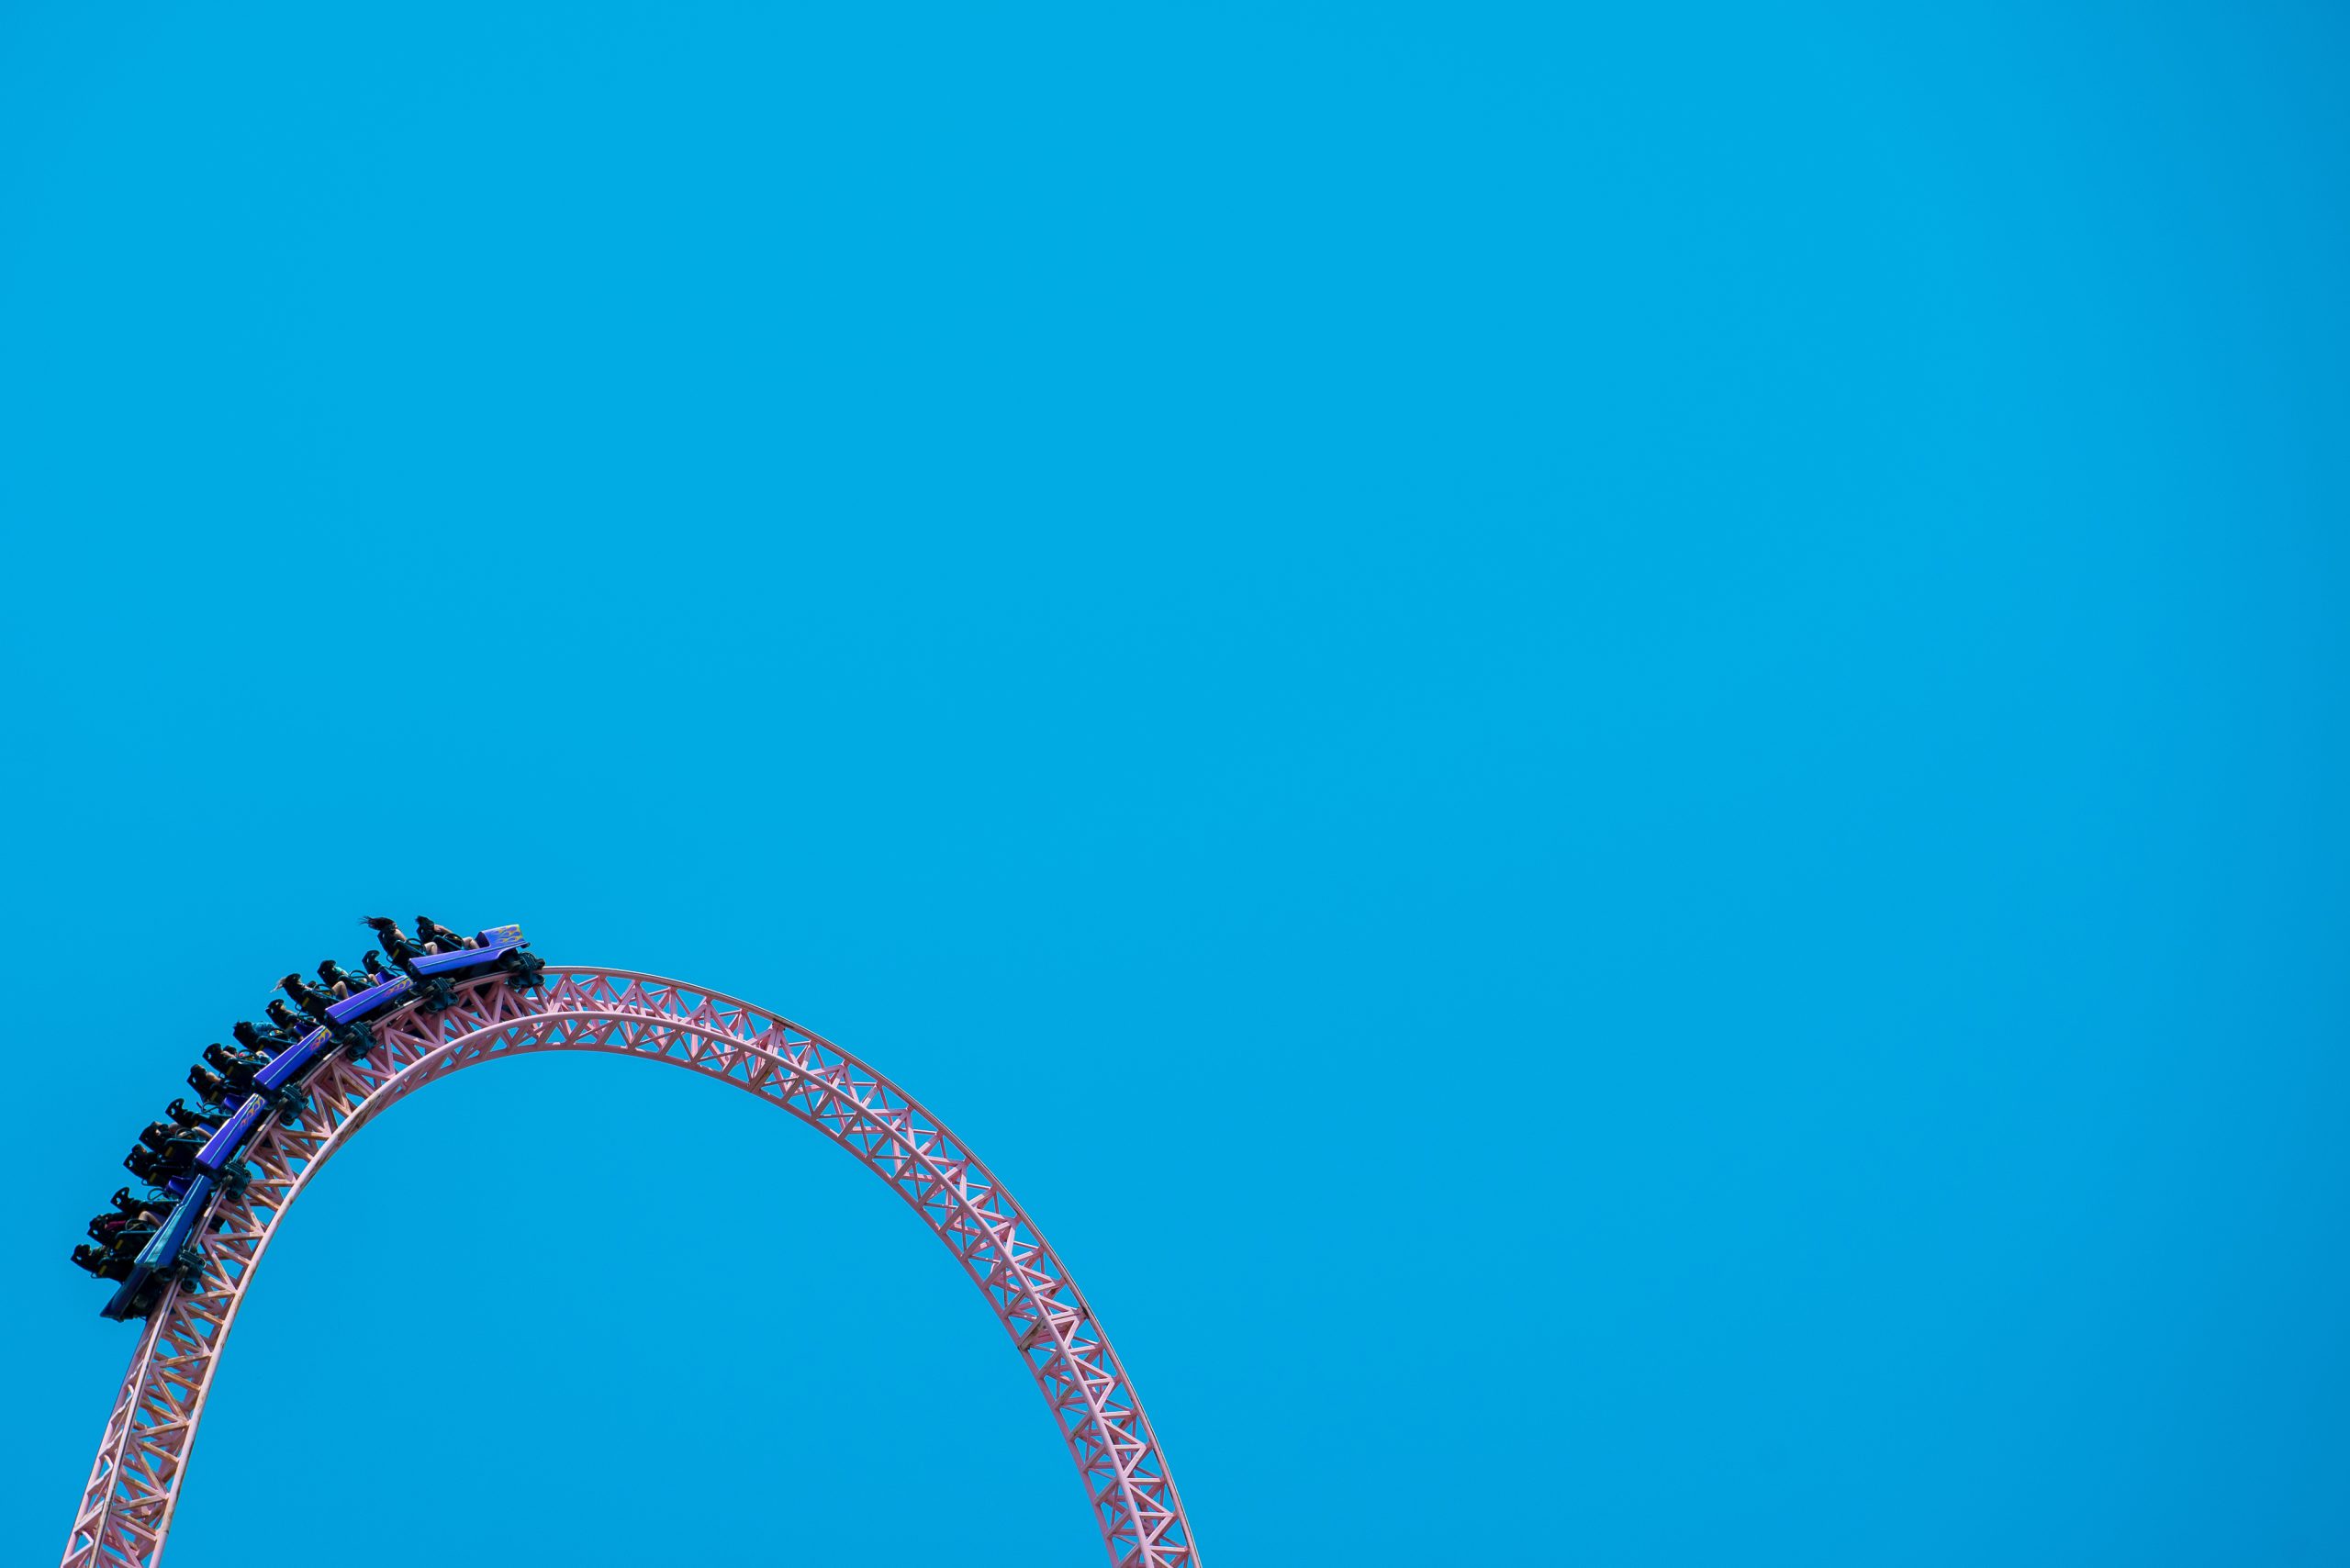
(126, 1508)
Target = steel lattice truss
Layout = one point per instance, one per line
(126, 1508)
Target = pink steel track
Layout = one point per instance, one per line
(126, 1508)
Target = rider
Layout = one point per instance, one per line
(288, 1023)
(141, 1214)
(306, 996)
(340, 980)
(372, 962)
(437, 937)
(103, 1264)
(237, 1067)
(399, 946)
(156, 1167)
(179, 1153)
(266, 1042)
(209, 1117)
(133, 1235)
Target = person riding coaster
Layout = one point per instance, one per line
(404, 952)
(399, 946)
(307, 997)
(438, 938)
(157, 1166)
(116, 1256)
(253, 1037)
(236, 1068)
(225, 1090)
(339, 982)
(126, 1233)
(288, 1023)
(355, 1038)
(203, 1116)
(101, 1263)
(522, 968)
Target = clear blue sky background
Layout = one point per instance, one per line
(1604, 745)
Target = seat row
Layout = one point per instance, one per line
(191, 1153)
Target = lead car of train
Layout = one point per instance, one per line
(197, 1165)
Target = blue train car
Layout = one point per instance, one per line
(502, 947)
(218, 1166)
(217, 1158)
(288, 1066)
(165, 1257)
(362, 1004)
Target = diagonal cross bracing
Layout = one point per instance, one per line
(126, 1509)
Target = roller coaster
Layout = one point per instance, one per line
(224, 1175)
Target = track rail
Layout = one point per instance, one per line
(134, 1486)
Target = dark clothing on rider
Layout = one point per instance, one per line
(237, 1067)
(331, 974)
(398, 947)
(155, 1166)
(307, 997)
(289, 1023)
(158, 1136)
(113, 1231)
(431, 932)
(103, 1264)
(208, 1085)
(268, 1042)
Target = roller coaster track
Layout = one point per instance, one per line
(126, 1508)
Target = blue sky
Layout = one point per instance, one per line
(1604, 747)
